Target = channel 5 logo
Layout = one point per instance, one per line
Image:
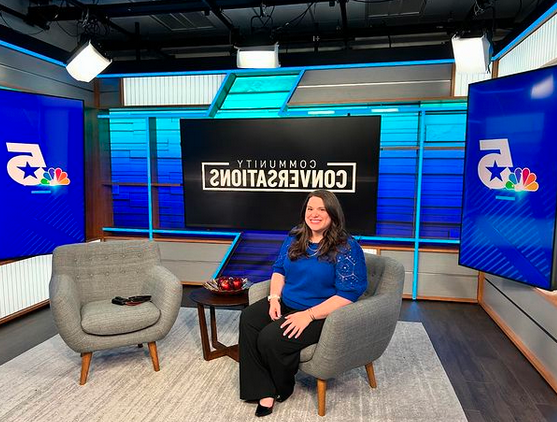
(28, 167)
(494, 168)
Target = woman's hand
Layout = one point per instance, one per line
(274, 309)
(295, 324)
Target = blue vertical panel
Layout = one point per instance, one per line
(130, 206)
(128, 150)
(443, 175)
(169, 170)
(171, 207)
(418, 206)
(169, 155)
(397, 175)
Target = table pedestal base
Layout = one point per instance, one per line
(220, 349)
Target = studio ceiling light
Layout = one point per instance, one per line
(87, 63)
(262, 57)
(472, 54)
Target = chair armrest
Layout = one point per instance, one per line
(258, 291)
(339, 349)
(65, 306)
(166, 293)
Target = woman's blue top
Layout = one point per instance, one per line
(311, 280)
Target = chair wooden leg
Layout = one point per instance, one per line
(371, 375)
(321, 389)
(85, 363)
(154, 356)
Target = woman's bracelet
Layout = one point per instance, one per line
(310, 311)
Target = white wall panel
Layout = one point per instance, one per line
(462, 80)
(171, 90)
(406, 258)
(24, 283)
(439, 275)
(537, 50)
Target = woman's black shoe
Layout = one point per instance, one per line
(263, 410)
(280, 398)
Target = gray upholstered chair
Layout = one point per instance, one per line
(357, 334)
(85, 278)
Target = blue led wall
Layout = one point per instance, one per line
(130, 141)
(169, 171)
(442, 172)
(443, 154)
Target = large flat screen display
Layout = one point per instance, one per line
(510, 188)
(255, 173)
(41, 173)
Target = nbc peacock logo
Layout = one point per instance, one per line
(55, 177)
(522, 180)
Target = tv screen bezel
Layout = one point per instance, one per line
(376, 163)
(14, 258)
(552, 281)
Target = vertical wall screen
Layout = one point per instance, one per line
(128, 144)
(169, 174)
(397, 175)
(443, 169)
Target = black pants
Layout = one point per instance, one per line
(268, 360)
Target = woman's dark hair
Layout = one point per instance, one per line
(333, 237)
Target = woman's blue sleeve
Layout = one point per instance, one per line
(278, 266)
(351, 272)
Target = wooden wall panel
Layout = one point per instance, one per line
(98, 194)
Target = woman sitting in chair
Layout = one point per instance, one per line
(320, 268)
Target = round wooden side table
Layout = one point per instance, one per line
(204, 297)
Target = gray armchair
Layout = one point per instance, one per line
(357, 334)
(85, 278)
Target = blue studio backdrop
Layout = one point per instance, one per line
(420, 175)
(510, 185)
(41, 173)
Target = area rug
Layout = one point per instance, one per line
(43, 383)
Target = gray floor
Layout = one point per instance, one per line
(24, 333)
(492, 379)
